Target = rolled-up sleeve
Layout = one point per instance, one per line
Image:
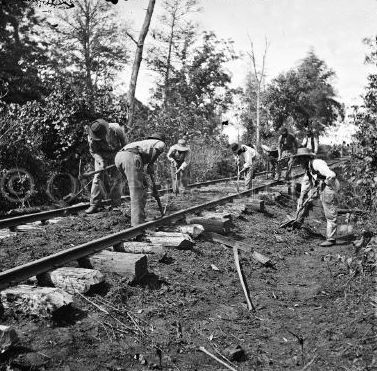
(250, 154)
(324, 170)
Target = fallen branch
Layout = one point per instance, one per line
(121, 311)
(309, 363)
(92, 302)
(204, 350)
(238, 266)
(105, 311)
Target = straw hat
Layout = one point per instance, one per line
(304, 152)
(181, 146)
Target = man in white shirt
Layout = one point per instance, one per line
(180, 157)
(105, 139)
(248, 154)
(130, 161)
(318, 174)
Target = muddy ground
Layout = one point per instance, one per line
(315, 310)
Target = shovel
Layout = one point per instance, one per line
(301, 213)
(238, 179)
(155, 194)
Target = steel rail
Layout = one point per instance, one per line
(21, 273)
(49, 214)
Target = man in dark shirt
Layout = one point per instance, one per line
(287, 147)
(105, 139)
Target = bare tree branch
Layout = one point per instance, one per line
(259, 77)
(131, 37)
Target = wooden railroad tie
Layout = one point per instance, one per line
(213, 222)
(72, 279)
(35, 301)
(132, 267)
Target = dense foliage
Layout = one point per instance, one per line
(363, 170)
(304, 94)
(22, 54)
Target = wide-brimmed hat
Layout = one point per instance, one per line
(235, 147)
(158, 136)
(99, 129)
(302, 152)
(267, 148)
(181, 146)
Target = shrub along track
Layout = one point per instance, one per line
(310, 313)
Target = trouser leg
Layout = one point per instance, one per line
(174, 178)
(96, 190)
(289, 167)
(330, 203)
(273, 163)
(185, 174)
(249, 178)
(116, 187)
(131, 166)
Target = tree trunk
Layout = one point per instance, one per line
(137, 62)
(87, 56)
(168, 61)
(258, 118)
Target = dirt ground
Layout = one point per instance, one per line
(315, 306)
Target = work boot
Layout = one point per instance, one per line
(327, 243)
(92, 209)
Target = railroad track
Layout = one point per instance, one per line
(65, 211)
(21, 273)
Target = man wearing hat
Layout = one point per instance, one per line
(248, 154)
(105, 139)
(318, 174)
(180, 157)
(130, 161)
(287, 147)
(272, 155)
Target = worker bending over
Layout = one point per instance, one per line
(180, 157)
(287, 147)
(319, 176)
(105, 139)
(130, 161)
(248, 154)
(272, 155)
